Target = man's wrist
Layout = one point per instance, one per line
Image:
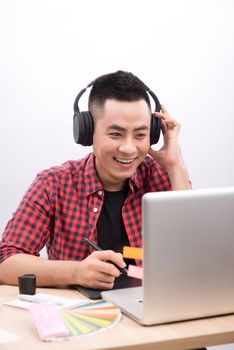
(179, 167)
(179, 178)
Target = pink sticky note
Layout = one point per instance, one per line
(48, 320)
(135, 271)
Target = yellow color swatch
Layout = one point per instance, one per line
(132, 253)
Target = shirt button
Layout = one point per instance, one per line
(95, 210)
(100, 193)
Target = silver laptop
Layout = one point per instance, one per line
(188, 258)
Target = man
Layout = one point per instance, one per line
(98, 196)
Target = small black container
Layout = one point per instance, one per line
(27, 284)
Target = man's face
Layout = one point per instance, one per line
(120, 141)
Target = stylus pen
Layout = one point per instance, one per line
(96, 247)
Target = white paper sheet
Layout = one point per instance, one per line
(6, 337)
(44, 298)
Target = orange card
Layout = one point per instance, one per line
(132, 253)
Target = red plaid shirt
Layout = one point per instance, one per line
(63, 205)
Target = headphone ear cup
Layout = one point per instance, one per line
(155, 128)
(89, 129)
(83, 127)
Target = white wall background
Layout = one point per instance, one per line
(50, 49)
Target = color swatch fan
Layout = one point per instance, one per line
(90, 318)
(54, 323)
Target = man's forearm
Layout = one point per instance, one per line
(48, 272)
(179, 178)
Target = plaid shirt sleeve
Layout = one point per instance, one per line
(30, 226)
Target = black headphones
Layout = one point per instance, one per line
(83, 125)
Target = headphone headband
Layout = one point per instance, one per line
(150, 92)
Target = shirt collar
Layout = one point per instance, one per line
(133, 181)
(93, 183)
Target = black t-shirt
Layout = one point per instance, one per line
(111, 233)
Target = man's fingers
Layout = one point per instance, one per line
(103, 285)
(104, 263)
(164, 110)
(103, 277)
(100, 283)
(168, 122)
(110, 255)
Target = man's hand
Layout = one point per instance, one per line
(169, 154)
(97, 271)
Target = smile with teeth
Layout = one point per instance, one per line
(124, 161)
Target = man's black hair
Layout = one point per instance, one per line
(120, 85)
